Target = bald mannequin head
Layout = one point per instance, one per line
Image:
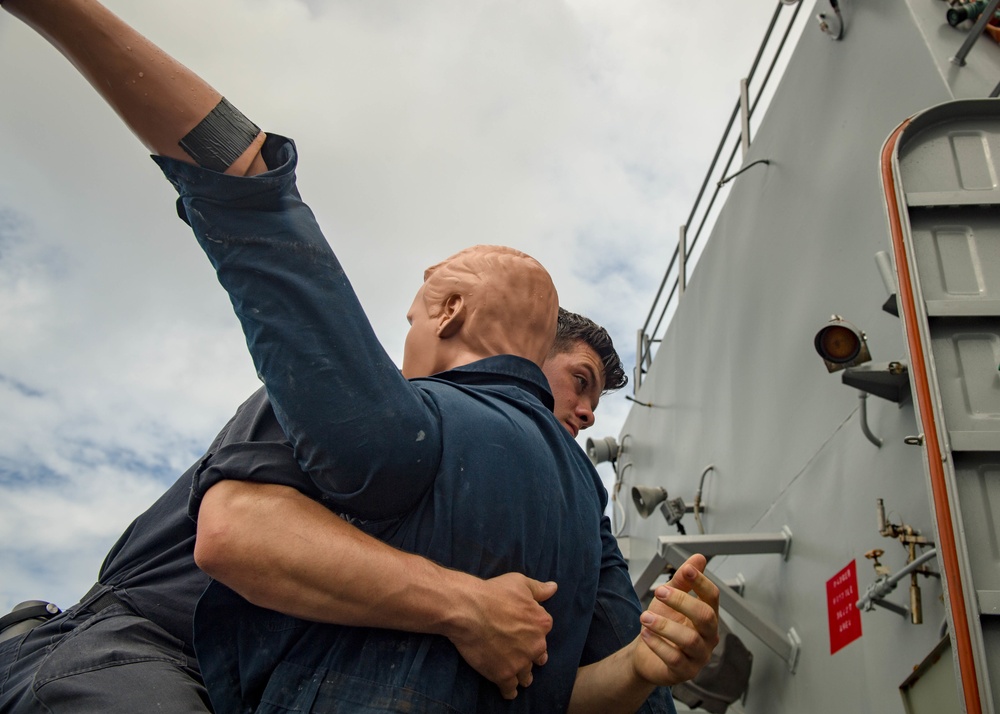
(484, 301)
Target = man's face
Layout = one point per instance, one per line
(576, 378)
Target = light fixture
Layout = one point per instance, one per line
(841, 344)
(647, 498)
(844, 347)
(601, 450)
(958, 14)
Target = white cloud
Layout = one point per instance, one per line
(577, 131)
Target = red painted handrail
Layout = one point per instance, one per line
(947, 547)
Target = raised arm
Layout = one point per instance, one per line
(277, 548)
(310, 340)
(162, 101)
(283, 551)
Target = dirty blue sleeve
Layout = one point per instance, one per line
(368, 439)
(615, 622)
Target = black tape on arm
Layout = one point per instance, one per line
(220, 138)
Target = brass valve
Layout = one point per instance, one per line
(874, 554)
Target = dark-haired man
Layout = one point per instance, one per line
(582, 366)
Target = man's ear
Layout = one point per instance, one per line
(452, 316)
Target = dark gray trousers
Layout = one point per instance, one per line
(99, 658)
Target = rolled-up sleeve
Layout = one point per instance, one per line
(368, 439)
(615, 622)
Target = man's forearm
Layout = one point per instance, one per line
(610, 686)
(283, 551)
(159, 99)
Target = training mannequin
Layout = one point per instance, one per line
(485, 300)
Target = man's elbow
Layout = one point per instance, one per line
(218, 547)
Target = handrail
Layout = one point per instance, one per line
(947, 544)
(648, 337)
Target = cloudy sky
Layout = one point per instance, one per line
(576, 130)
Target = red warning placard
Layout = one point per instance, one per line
(845, 620)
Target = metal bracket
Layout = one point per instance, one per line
(888, 380)
(796, 647)
(677, 549)
(730, 543)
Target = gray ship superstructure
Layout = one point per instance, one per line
(817, 389)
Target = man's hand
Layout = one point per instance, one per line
(679, 631)
(503, 634)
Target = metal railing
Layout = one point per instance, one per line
(738, 135)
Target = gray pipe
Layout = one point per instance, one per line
(863, 416)
(880, 588)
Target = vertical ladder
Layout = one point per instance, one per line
(940, 177)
